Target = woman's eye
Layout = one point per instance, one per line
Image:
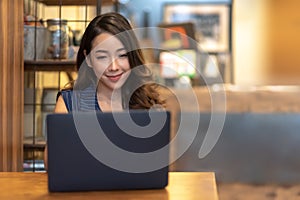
(124, 55)
(101, 57)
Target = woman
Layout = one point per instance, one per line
(112, 75)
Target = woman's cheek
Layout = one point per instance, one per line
(99, 73)
(99, 69)
(126, 75)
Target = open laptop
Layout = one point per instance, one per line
(108, 151)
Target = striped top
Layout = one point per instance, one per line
(81, 100)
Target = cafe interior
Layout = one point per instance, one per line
(230, 69)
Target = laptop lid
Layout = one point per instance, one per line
(108, 151)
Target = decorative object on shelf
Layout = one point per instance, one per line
(175, 64)
(34, 39)
(58, 46)
(211, 69)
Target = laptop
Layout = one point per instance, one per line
(89, 151)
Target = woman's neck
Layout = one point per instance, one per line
(109, 100)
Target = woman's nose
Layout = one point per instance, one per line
(114, 66)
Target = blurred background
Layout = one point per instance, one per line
(245, 48)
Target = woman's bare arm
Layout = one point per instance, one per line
(60, 107)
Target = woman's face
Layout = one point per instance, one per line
(109, 61)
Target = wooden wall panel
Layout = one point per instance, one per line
(284, 41)
(11, 85)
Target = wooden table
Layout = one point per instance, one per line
(182, 185)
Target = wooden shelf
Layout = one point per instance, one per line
(39, 144)
(50, 65)
(39, 147)
(75, 2)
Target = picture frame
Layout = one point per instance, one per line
(183, 33)
(212, 23)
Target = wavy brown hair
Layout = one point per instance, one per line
(146, 93)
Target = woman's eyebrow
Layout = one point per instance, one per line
(106, 51)
(101, 51)
(121, 49)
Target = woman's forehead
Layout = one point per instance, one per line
(106, 41)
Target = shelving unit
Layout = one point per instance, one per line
(49, 65)
(76, 2)
(44, 78)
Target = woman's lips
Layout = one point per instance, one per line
(114, 78)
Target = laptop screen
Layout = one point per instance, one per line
(106, 151)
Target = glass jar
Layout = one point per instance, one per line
(58, 38)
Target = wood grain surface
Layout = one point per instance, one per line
(182, 185)
(11, 85)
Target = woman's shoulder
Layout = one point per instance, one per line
(68, 88)
(66, 95)
(64, 92)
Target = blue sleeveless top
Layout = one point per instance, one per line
(84, 100)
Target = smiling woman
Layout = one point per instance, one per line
(112, 75)
(110, 63)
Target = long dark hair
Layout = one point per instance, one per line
(145, 94)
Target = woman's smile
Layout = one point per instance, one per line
(114, 77)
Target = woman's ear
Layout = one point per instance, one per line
(87, 59)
